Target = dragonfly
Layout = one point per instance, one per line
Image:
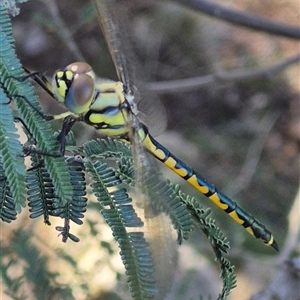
(110, 107)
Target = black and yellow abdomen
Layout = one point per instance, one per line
(242, 217)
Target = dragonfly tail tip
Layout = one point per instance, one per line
(274, 245)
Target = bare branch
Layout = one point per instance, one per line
(64, 33)
(242, 19)
(194, 83)
(253, 156)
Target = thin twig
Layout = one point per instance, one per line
(64, 33)
(242, 19)
(194, 83)
(243, 180)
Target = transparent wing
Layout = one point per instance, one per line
(151, 111)
(157, 226)
(112, 18)
(111, 27)
(118, 49)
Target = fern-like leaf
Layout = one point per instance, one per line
(120, 215)
(29, 111)
(35, 270)
(44, 200)
(11, 153)
(8, 211)
(218, 241)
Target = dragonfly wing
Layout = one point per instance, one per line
(112, 20)
(119, 50)
(157, 225)
(152, 112)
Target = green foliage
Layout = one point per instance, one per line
(10, 6)
(119, 214)
(11, 150)
(56, 187)
(29, 112)
(217, 240)
(43, 200)
(8, 211)
(35, 270)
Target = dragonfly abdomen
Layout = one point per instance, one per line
(242, 217)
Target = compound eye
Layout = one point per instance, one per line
(75, 87)
(80, 94)
(81, 68)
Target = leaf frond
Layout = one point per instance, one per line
(10, 146)
(43, 199)
(35, 270)
(164, 198)
(218, 241)
(15, 87)
(8, 211)
(120, 216)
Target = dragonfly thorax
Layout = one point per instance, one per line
(110, 112)
(98, 102)
(74, 87)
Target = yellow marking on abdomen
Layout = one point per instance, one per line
(271, 241)
(216, 200)
(194, 182)
(149, 145)
(158, 153)
(171, 163)
(235, 216)
(250, 230)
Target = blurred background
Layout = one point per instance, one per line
(242, 135)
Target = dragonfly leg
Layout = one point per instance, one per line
(40, 79)
(68, 123)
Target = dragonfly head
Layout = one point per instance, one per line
(74, 87)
